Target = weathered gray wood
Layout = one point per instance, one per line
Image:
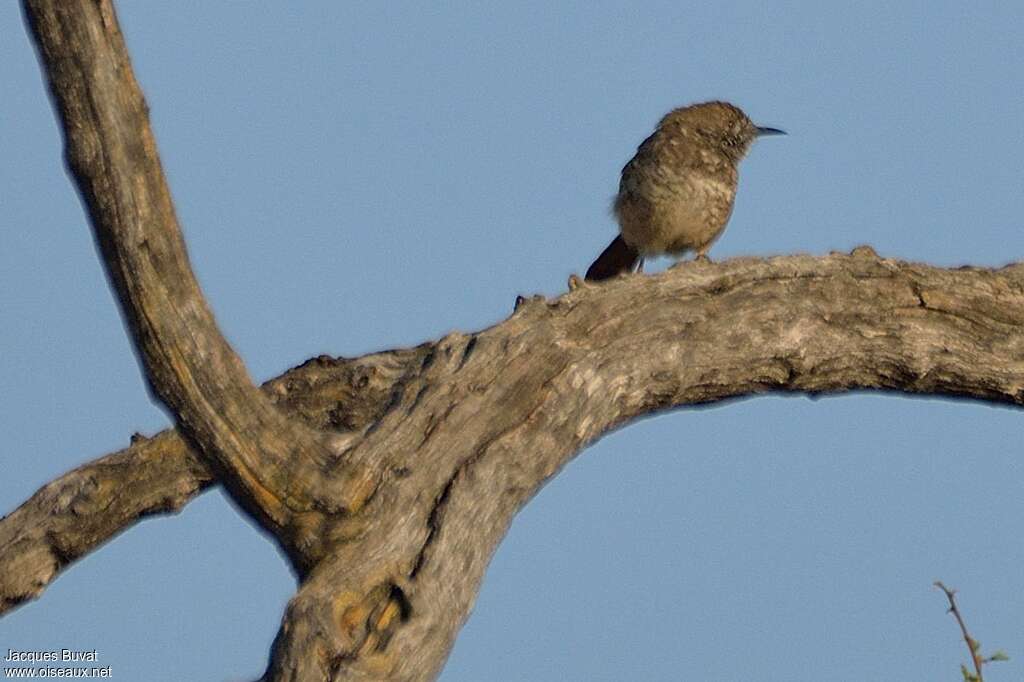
(76, 513)
(112, 155)
(493, 415)
(389, 480)
(466, 429)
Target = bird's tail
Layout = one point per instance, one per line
(618, 258)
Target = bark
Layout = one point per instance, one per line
(76, 513)
(111, 152)
(468, 428)
(389, 480)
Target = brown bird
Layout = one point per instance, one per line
(677, 192)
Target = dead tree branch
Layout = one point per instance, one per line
(276, 468)
(390, 480)
(469, 427)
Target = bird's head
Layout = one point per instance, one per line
(718, 125)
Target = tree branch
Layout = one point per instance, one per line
(276, 468)
(80, 511)
(973, 646)
(392, 523)
(466, 429)
(497, 413)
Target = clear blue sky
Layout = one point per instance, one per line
(356, 177)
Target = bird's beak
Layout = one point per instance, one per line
(769, 131)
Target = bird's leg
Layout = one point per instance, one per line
(640, 265)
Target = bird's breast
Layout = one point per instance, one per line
(671, 212)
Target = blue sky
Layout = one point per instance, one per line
(355, 177)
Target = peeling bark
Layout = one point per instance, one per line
(391, 479)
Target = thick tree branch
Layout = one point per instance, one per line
(466, 429)
(392, 522)
(278, 469)
(493, 415)
(78, 512)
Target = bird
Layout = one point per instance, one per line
(677, 192)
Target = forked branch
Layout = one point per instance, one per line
(275, 467)
(391, 479)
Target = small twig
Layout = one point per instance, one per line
(972, 643)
